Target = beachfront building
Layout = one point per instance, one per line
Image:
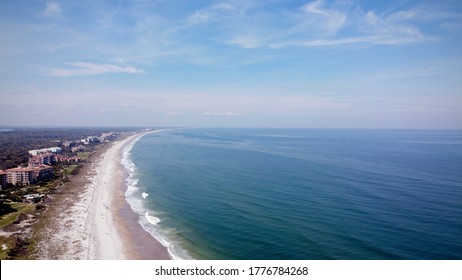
(42, 172)
(79, 148)
(90, 139)
(2, 180)
(20, 176)
(66, 159)
(29, 175)
(56, 150)
(40, 159)
(105, 137)
(51, 159)
(68, 144)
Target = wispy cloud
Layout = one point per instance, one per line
(214, 34)
(214, 12)
(362, 40)
(88, 69)
(315, 15)
(395, 28)
(317, 23)
(222, 114)
(355, 26)
(52, 9)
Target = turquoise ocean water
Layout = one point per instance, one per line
(300, 193)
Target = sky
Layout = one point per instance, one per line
(232, 63)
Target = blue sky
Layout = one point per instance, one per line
(322, 64)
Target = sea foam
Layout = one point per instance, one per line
(148, 222)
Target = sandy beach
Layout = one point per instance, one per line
(93, 219)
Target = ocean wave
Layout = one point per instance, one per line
(151, 219)
(148, 221)
(162, 236)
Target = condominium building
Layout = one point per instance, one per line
(20, 176)
(55, 150)
(48, 159)
(27, 176)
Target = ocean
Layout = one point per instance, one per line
(299, 193)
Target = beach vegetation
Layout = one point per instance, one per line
(6, 243)
(5, 208)
(83, 156)
(20, 206)
(71, 169)
(15, 143)
(18, 209)
(10, 243)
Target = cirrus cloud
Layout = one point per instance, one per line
(222, 114)
(88, 69)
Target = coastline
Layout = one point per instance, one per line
(139, 243)
(91, 218)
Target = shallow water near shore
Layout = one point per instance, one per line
(299, 193)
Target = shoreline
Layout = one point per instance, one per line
(91, 218)
(139, 243)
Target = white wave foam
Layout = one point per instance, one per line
(162, 236)
(151, 219)
(136, 205)
(148, 222)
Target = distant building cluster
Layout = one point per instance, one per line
(41, 160)
(38, 168)
(105, 137)
(55, 150)
(51, 159)
(79, 148)
(25, 176)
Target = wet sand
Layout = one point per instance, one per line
(91, 218)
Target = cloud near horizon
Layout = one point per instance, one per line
(88, 69)
(328, 63)
(226, 114)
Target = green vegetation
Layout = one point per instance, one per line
(21, 208)
(15, 211)
(71, 169)
(6, 208)
(15, 241)
(15, 144)
(83, 156)
(9, 243)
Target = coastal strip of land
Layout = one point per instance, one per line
(95, 221)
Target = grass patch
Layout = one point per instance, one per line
(7, 219)
(9, 243)
(47, 186)
(42, 189)
(71, 169)
(83, 156)
(22, 208)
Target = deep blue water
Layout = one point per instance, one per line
(301, 194)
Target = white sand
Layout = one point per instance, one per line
(104, 241)
(87, 229)
(88, 223)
